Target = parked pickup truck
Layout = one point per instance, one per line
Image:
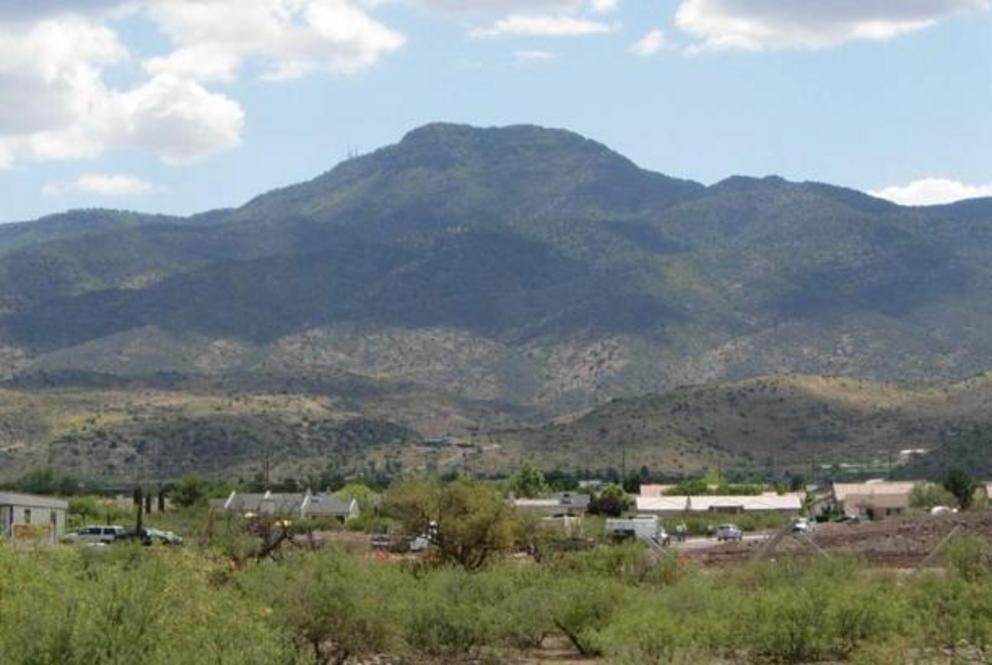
(642, 527)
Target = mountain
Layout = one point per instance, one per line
(529, 270)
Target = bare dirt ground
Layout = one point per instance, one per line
(899, 542)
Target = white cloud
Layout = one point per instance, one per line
(468, 7)
(649, 44)
(534, 56)
(55, 56)
(932, 191)
(178, 120)
(100, 184)
(813, 24)
(605, 6)
(292, 38)
(56, 105)
(32, 10)
(523, 25)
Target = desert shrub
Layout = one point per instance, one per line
(331, 607)
(71, 607)
(584, 606)
(518, 605)
(649, 630)
(627, 562)
(445, 612)
(968, 557)
(948, 609)
(801, 611)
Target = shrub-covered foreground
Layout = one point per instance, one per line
(133, 605)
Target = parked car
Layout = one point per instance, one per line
(159, 537)
(381, 541)
(802, 525)
(850, 519)
(726, 532)
(96, 535)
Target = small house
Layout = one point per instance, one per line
(874, 499)
(562, 504)
(32, 519)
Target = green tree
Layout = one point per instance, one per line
(361, 493)
(191, 490)
(467, 521)
(961, 485)
(927, 495)
(528, 482)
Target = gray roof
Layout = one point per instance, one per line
(32, 501)
(285, 504)
(328, 504)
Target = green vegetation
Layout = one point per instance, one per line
(961, 486)
(195, 604)
(926, 495)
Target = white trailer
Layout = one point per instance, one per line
(647, 528)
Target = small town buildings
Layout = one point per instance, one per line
(559, 505)
(304, 506)
(655, 491)
(763, 503)
(32, 519)
(874, 499)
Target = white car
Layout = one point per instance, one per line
(96, 535)
(802, 525)
(728, 532)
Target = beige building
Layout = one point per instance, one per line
(26, 518)
(761, 503)
(874, 499)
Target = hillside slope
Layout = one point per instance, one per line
(516, 265)
(769, 425)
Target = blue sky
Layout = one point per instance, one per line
(180, 106)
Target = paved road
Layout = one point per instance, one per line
(701, 543)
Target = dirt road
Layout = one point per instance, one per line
(900, 542)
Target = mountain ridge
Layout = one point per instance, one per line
(520, 264)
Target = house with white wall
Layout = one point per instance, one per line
(32, 519)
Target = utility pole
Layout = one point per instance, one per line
(623, 462)
(267, 467)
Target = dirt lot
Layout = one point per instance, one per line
(900, 542)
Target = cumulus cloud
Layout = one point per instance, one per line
(56, 105)
(55, 56)
(813, 24)
(649, 44)
(178, 120)
(532, 25)
(932, 191)
(100, 184)
(213, 38)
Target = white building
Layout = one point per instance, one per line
(34, 519)
(762, 503)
